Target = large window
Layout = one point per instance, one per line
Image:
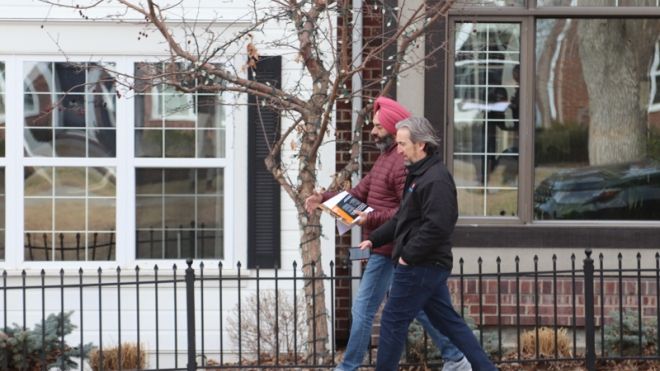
(583, 142)
(486, 117)
(597, 145)
(180, 213)
(69, 110)
(169, 123)
(70, 115)
(80, 140)
(69, 213)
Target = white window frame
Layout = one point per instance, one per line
(125, 163)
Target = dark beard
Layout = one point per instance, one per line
(384, 143)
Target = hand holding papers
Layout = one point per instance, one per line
(346, 209)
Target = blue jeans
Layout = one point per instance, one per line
(376, 279)
(414, 289)
(447, 349)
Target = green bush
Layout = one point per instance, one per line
(23, 349)
(630, 330)
(416, 351)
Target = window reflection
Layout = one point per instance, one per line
(69, 213)
(179, 213)
(597, 137)
(69, 110)
(486, 118)
(174, 124)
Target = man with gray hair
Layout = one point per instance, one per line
(422, 229)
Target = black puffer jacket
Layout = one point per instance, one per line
(423, 226)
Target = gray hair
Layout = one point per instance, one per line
(421, 131)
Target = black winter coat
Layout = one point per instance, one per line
(423, 226)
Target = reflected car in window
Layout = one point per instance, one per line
(627, 191)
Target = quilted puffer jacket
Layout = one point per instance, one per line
(382, 189)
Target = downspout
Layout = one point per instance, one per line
(356, 107)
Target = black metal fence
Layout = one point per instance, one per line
(217, 318)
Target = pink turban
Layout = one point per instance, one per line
(390, 112)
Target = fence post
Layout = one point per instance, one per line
(190, 315)
(589, 326)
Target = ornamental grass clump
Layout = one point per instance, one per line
(132, 357)
(546, 343)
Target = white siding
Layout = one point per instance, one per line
(225, 10)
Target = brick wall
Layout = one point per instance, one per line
(509, 298)
(548, 298)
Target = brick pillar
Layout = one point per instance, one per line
(372, 21)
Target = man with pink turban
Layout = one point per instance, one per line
(382, 189)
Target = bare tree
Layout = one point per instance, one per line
(320, 37)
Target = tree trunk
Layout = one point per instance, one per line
(317, 316)
(615, 55)
(310, 245)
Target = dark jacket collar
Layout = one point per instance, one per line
(422, 165)
(391, 148)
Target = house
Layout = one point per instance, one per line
(102, 181)
(547, 110)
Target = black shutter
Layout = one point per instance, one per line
(263, 190)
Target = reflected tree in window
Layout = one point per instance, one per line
(596, 135)
(616, 56)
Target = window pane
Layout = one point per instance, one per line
(587, 3)
(175, 124)
(597, 137)
(101, 214)
(179, 143)
(101, 246)
(70, 181)
(180, 213)
(69, 246)
(211, 143)
(485, 128)
(70, 143)
(149, 212)
(64, 101)
(38, 246)
(148, 143)
(69, 211)
(38, 214)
